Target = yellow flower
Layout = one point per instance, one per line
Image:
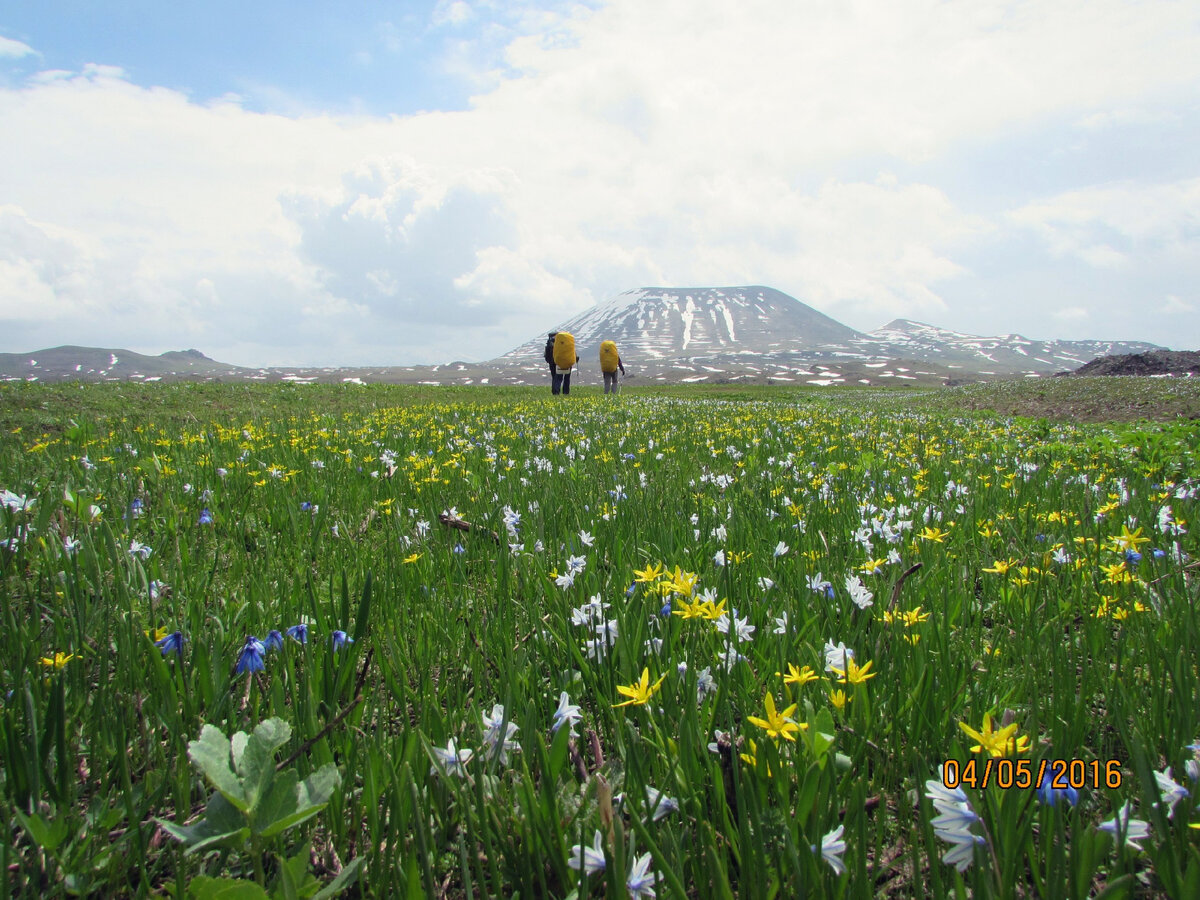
(997, 743)
(799, 677)
(158, 634)
(648, 574)
(933, 534)
(59, 660)
(776, 724)
(639, 692)
(690, 610)
(853, 673)
(683, 582)
(1128, 540)
(1000, 566)
(713, 611)
(871, 566)
(839, 699)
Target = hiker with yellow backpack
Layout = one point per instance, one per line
(610, 362)
(561, 357)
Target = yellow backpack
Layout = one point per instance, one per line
(564, 350)
(608, 357)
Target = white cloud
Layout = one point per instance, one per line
(676, 142)
(13, 49)
(1174, 305)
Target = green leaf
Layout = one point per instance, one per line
(291, 802)
(345, 878)
(258, 760)
(204, 888)
(222, 824)
(211, 755)
(47, 835)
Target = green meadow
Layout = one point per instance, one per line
(301, 641)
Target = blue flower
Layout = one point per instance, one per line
(173, 642)
(340, 639)
(1158, 554)
(299, 633)
(666, 609)
(1050, 796)
(251, 657)
(1132, 557)
(305, 506)
(459, 548)
(205, 517)
(274, 640)
(631, 590)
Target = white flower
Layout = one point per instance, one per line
(836, 655)
(832, 848)
(452, 760)
(742, 627)
(818, 583)
(780, 549)
(641, 880)
(705, 684)
(590, 859)
(1171, 791)
(567, 713)
(781, 623)
(492, 725)
(1134, 830)
(765, 584)
(565, 580)
(139, 549)
(661, 804)
(719, 557)
(719, 533)
(586, 539)
(70, 545)
(858, 592)
(575, 564)
(15, 502)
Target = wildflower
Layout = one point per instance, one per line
(70, 544)
(871, 567)
(157, 589)
(800, 677)
(575, 564)
(586, 539)
(1001, 566)
(1128, 540)
(566, 713)
(205, 517)
(1121, 826)
(59, 660)
(858, 592)
(662, 805)
(140, 550)
(820, 585)
(565, 580)
(832, 848)
(496, 743)
(836, 655)
(933, 534)
(1049, 795)
(705, 684)
(274, 640)
(719, 558)
(853, 673)
(641, 880)
(777, 724)
(780, 549)
(171, 643)
(251, 657)
(590, 859)
(839, 699)
(16, 502)
(742, 627)
(953, 823)
(1171, 791)
(454, 761)
(998, 743)
(341, 639)
(781, 623)
(299, 633)
(765, 584)
(649, 574)
(640, 692)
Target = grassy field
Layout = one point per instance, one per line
(714, 642)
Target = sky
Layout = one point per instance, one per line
(395, 183)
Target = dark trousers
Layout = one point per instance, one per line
(610, 382)
(560, 382)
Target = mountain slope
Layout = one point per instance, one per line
(665, 323)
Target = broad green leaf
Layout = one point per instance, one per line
(211, 754)
(290, 803)
(204, 888)
(222, 824)
(237, 747)
(46, 835)
(258, 761)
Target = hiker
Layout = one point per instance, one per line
(561, 357)
(610, 362)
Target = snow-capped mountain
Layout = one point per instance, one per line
(667, 323)
(1004, 354)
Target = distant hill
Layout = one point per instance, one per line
(1153, 363)
(751, 334)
